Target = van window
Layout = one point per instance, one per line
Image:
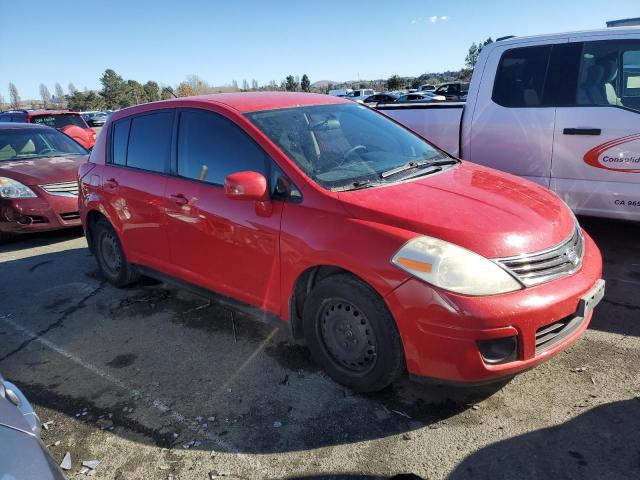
(211, 147)
(610, 74)
(150, 141)
(520, 77)
(119, 142)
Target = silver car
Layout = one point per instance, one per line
(22, 453)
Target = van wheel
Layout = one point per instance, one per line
(110, 256)
(351, 333)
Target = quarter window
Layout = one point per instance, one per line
(119, 142)
(211, 147)
(150, 141)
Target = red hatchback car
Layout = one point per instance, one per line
(38, 179)
(381, 251)
(69, 123)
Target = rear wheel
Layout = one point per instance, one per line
(352, 334)
(110, 255)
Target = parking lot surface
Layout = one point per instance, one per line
(157, 383)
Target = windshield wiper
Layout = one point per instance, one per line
(356, 185)
(417, 164)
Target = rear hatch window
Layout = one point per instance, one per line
(59, 120)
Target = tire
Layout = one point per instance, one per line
(110, 255)
(351, 333)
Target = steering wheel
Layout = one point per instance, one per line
(350, 152)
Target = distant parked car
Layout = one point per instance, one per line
(421, 97)
(381, 98)
(23, 454)
(427, 88)
(69, 123)
(94, 119)
(38, 179)
(340, 92)
(454, 92)
(360, 95)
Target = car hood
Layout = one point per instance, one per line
(36, 171)
(489, 212)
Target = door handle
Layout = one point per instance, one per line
(111, 184)
(179, 198)
(582, 131)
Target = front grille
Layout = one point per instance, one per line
(539, 267)
(550, 335)
(65, 189)
(70, 216)
(37, 219)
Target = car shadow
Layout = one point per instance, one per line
(601, 443)
(620, 250)
(39, 239)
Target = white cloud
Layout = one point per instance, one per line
(444, 18)
(414, 21)
(433, 19)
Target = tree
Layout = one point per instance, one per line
(87, 100)
(234, 84)
(245, 85)
(1, 102)
(14, 97)
(59, 95)
(305, 83)
(184, 90)
(114, 90)
(395, 82)
(72, 88)
(151, 91)
(45, 95)
(254, 84)
(166, 93)
(474, 50)
(415, 83)
(273, 86)
(136, 93)
(290, 84)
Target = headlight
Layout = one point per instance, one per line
(10, 188)
(453, 268)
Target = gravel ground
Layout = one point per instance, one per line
(157, 383)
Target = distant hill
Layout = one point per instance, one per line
(323, 83)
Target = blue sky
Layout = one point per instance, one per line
(75, 41)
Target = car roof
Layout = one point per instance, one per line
(614, 32)
(245, 102)
(23, 126)
(50, 112)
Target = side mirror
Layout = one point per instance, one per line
(246, 186)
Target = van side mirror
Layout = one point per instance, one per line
(246, 186)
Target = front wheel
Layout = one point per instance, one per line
(351, 333)
(110, 255)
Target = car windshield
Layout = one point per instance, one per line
(344, 145)
(20, 144)
(59, 120)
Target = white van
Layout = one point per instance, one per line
(562, 110)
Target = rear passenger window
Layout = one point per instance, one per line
(211, 147)
(150, 141)
(119, 142)
(610, 74)
(520, 77)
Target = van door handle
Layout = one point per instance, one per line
(582, 131)
(180, 199)
(110, 184)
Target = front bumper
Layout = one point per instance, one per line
(42, 213)
(440, 330)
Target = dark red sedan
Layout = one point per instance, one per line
(38, 179)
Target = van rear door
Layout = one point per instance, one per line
(596, 147)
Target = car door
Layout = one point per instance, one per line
(133, 184)
(596, 151)
(227, 246)
(512, 126)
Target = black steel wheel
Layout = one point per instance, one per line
(110, 255)
(351, 333)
